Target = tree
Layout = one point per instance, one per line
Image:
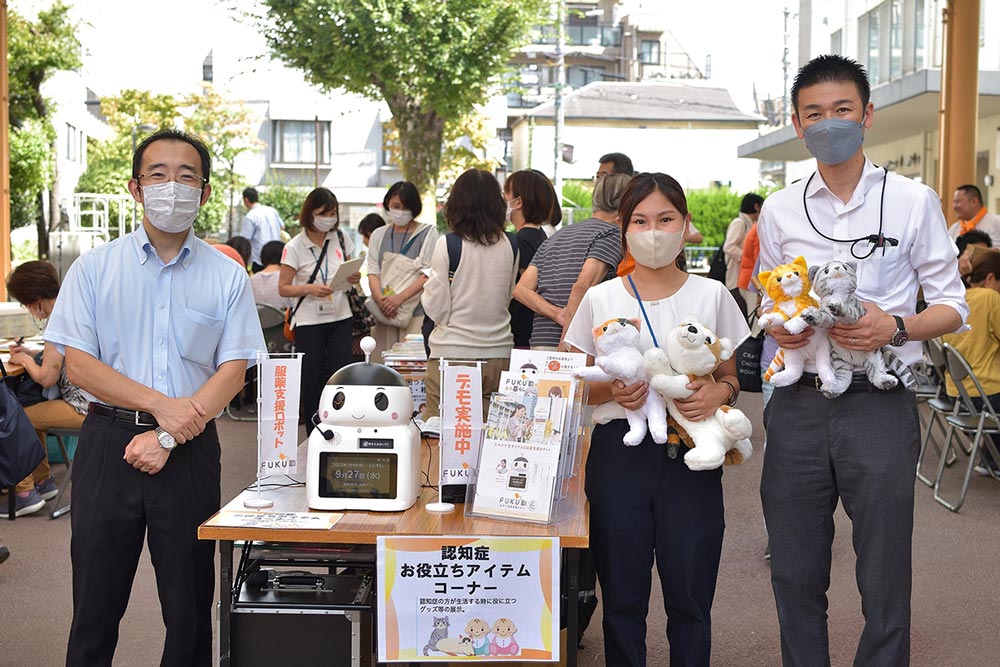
(36, 50)
(430, 61)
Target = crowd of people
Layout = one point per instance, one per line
(476, 292)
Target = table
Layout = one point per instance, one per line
(356, 528)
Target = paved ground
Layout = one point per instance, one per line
(955, 601)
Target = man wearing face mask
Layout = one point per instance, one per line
(819, 450)
(159, 328)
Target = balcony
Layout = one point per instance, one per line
(580, 35)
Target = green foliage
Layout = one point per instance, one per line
(429, 60)
(712, 210)
(35, 51)
(577, 195)
(30, 169)
(285, 199)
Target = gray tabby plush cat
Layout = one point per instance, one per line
(439, 632)
(835, 283)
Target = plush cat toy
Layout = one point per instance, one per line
(620, 359)
(835, 283)
(788, 286)
(692, 350)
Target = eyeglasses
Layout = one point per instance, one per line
(159, 177)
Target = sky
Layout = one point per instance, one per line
(120, 51)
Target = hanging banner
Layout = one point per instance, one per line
(449, 599)
(278, 379)
(461, 422)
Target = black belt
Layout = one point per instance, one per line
(859, 383)
(133, 417)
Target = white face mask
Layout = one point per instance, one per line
(325, 223)
(171, 207)
(400, 217)
(654, 248)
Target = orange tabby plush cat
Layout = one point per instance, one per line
(788, 286)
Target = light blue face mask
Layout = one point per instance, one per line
(834, 140)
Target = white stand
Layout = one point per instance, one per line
(440, 507)
(258, 502)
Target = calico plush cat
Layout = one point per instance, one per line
(835, 283)
(619, 358)
(439, 632)
(788, 286)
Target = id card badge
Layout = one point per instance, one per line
(325, 306)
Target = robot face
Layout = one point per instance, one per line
(362, 405)
(520, 464)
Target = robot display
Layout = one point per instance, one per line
(364, 453)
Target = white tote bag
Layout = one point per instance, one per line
(398, 273)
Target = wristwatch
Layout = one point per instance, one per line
(167, 441)
(900, 337)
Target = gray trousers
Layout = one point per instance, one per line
(860, 448)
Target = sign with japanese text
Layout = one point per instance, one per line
(278, 415)
(461, 422)
(449, 599)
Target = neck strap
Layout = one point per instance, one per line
(643, 309)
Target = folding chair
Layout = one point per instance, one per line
(272, 322)
(939, 403)
(974, 423)
(59, 434)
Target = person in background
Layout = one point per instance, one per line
(322, 320)
(736, 233)
(748, 272)
(265, 280)
(403, 235)
(575, 259)
(260, 225)
(368, 225)
(241, 244)
(35, 285)
(614, 163)
(967, 203)
(969, 244)
(530, 200)
(160, 329)
(981, 344)
(471, 311)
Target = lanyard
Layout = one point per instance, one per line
(643, 309)
(392, 240)
(876, 240)
(325, 270)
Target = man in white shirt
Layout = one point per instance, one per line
(821, 451)
(967, 202)
(261, 224)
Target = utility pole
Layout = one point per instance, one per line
(784, 71)
(560, 112)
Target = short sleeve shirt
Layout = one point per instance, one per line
(302, 255)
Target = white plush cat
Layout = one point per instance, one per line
(620, 359)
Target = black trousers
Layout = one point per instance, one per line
(327, 349)
(859, 449)
(115, 507)
(645, 506)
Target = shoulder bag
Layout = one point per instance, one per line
(290, 312)
(362, 320)
(20, 449)
(397, 273)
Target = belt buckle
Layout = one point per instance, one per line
(136, 418)
(817, 384)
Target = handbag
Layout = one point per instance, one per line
(397, 273)
(748, 361)
(362, 320)
(20, 449)
(290, 312)
(28, 391)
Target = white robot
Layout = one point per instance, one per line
(364, 453)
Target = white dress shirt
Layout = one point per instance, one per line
(924, 257)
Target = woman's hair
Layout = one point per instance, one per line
(608, 192)
(539, 202)
(475, 208)
(320, 199)
(270, 252)
(33, 281)
(409, 197)
(240, 244)
(983, 264)
(641, 186)
(370, 223)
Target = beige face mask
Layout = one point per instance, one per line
(654, 248)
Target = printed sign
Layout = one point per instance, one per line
(461, 422)
(546, 361)
(278, 416)
(450, 599)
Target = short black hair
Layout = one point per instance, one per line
(622, 163)
(33, 281)
(173, 135)
(240, 244)
(409, 197)
(320, 199)
(973, 237)
(475, 207)
(270, 252)
(751, 202)
(539, 202)
(831, 68)
(370, 223)
(250, 194)
(971, 189)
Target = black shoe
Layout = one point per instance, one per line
(4, 553)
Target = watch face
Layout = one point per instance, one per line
(899, 339)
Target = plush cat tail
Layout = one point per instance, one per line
(776, 365)
(899, 368)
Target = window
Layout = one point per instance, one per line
(649, 52)
(837, 43)
(295, 142)
(868, 30)
(72, 142)
(918, 37)
(896, 39)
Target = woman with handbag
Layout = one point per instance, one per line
(35, 285)
(321, 318)
(399, 254)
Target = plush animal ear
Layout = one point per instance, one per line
(597, 331)
(813, 270)
(801, 261)
(853, 265)
(763, 276)
(725, 349)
